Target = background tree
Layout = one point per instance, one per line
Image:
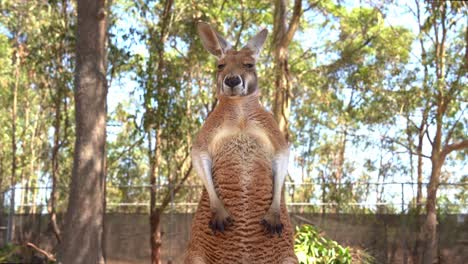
(284, 29)
(446, 85)
(46, 39)
(83, 235)
(363, 93)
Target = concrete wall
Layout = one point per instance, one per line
(389, 238)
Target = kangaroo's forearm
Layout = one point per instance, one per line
(280, 170)
(202, 163)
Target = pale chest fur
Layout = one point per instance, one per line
(237, 124)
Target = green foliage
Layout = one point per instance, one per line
(10, 253)
(312, 247)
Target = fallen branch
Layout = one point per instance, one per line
(48, 255)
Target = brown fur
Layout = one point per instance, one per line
(242, 137)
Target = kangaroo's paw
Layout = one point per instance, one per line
(220, 220)
(272, 223)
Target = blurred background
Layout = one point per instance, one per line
(372, 96)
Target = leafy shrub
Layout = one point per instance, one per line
(312, 248)
(9, 253)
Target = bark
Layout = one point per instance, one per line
(155, 230)
(283, 33)
(83, 234)
(419, 148)
(156, 242)
(430, 226)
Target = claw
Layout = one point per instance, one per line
(220, 221)
(272, 224)
(279, 229)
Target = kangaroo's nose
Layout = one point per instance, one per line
(232, 81)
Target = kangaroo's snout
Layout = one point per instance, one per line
(232, 81)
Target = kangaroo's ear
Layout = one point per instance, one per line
(212, 40)
(255, 44)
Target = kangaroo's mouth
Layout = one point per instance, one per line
(239, 89)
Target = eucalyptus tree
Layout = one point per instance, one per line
(27, 99)
(54, 59)
(166, 118)
(83, 234)
(442, 28)
(344, 94)
(5, 55)
(284, 29)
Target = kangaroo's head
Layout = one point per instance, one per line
(236, 74)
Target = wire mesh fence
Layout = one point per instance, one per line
(348, 197)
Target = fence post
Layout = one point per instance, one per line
(10, 224)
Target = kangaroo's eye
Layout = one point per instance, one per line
(221, 66)
(249, 65)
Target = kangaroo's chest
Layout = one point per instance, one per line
(231, 129)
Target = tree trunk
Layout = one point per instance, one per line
(322, 177)
(155, 221)
(419, 147)
(155, 212)
(24, 177)
(57, 97)
(32, 162)
(429, 229)
(422, 130)
(339, 169)
(417, 256)
(155, 232)
(430, 225)
(282, 37)
(13, 141)
(2, 193)
(83, 234)
(55, 167)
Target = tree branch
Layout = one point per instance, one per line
(177, 187)
(427, 135)
(452, 129)
(242, 25)
(453, 147)
(293, 24)
(391, 140)
(48, 255)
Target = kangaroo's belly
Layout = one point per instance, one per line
(242, 174)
